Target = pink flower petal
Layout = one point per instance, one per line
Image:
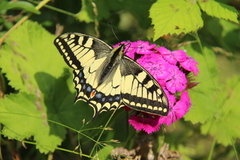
(155, 65)
(177, 80)
(180, 55)
(147, 124)
(143, 47)
(178, 110)
(190, 65)
(167, 55)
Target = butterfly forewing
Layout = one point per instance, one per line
(106, 79)
(80, 50)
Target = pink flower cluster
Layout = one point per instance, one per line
(171, 69)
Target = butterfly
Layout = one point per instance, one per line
(107, 79)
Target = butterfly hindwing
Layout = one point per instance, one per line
(143, 93)
(102, 98)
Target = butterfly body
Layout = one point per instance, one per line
(107, 79)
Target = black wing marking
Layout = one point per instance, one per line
(80, 50)
(140, 91)
(104, 97)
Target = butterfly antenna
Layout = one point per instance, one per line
(110, 24)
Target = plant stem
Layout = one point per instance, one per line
(211, 150)
(40, 5)
(55, 9)
(100, 135)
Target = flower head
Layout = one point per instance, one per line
(171, 70)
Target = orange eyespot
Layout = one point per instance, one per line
(93, 93)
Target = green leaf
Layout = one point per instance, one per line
(34, 67)
(20, 112)
(28, 51)
(104, 153)
(102, 9)
(175, 16)
(86, 14)
(214, 105)
(22, 119)
(225, 123)
(219, 10)
(230, 32)
(26, 6)
(203, 104)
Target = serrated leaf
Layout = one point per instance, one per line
(203, 95)
(214, 105)
(225, 124)
(34, 67)
(175, 16)
(22, 119)
(29, 50)
(26, 6)
(219, 10)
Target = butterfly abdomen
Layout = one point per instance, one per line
(113, 62)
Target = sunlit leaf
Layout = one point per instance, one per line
(214, 105)
(175, 16)
(22, 119)
(203, 95)
(219, 10)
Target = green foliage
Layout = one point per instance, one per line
(28, 59)
(224, 123)
(22, 120)
(86, 13)
(20, 5)
(205, 92)
(100, 10)
(215, 105)
(36, 69)
(219, 10)
(180, 16)
(40, 109)
(176, 16)
(104, 153)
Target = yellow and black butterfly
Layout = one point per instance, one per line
(107, 79)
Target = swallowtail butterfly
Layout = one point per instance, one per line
(107, 79)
